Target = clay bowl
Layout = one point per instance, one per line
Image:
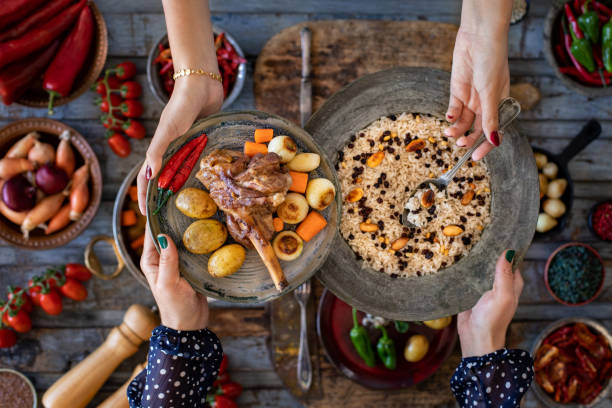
(553, 18)
(37, 97)
(26, 380)
(157, 87)
(514, 204)
(590, 219)
(252, 283)
(50, 131)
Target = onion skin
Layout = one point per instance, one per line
(42, 212)
(18, 194)
(59, 220)
(64, 159)
(10, 167)
(50, 179)
(79, 198)
(41, 153)
(20, 149)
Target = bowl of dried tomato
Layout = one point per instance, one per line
(572, 363)
(574, 274)
(600, 220)
(230, 57)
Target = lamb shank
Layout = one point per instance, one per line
(248, 191)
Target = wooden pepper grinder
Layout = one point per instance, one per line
(118, 399)
(77, 387)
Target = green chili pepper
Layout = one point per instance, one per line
(606, 45)
(361, 342)
(401, 327)
(589, 23)
(582, 50)
(386, 349)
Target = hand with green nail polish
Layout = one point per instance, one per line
(180, 307)
(482, 329)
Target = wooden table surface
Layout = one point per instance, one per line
(57, 343)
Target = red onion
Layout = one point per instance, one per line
(18, 194)
(51, 179)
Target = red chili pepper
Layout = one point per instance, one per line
(573, 22)
(133, 129)
(16, 10)
(586, 363)
(45, 13)
(577, 6)
(15, 78)
(166, 67)
(584, 74)
(560, 334)
(601, 8)
(70, 58)
(39, 37)
(584, 335)
(131, 108)
(173, 165)
(125, 70)
(130, 90)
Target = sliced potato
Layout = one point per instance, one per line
(320, 193)
(554, 207)
(540, 159)
(284, 146)
(204, 236)
(550, 170)
(288, 246)
(195, 203)
(304, 162)
(226, 260)
(294, 209)
(545, 223)
(556, 188)
(543, 184)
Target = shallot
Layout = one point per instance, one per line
(20, 149)
(42, 212)
(79, 198)
(59, 220)
(10, 167)
(51, 179)
(41, 153)
(81, 175)
(64, 159)
(16, 217)
(18, 194)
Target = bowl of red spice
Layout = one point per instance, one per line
(574, 274)
(578, 45)
(600, 220)
(231, 60)
(16, 390)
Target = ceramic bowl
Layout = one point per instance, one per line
(26, 380)
(50, 131)
(155, 82)
(590, 218)
(37, 97)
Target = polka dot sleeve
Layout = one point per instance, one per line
(181, 367)
(499, 379)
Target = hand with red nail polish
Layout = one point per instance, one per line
(480, 77)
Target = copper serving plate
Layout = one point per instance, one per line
(37, 97)
(50, 131)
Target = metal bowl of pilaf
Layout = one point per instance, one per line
(382, 151)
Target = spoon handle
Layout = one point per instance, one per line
(509, 109)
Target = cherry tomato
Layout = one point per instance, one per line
(34, 289)
(133, 129)
(8, 338)
(113, 82)
(115, 102)
(5, 317)
(26, 303)
(51, 302)
(20, 321)
(231, 389)
(55, 280)
(130, 90)
(119, 145)
(221, 401)
(131, 108)
(107, 122)
(222, 378)
(73, 289)
(77, 271)
(125, 70)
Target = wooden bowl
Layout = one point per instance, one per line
(37, 97)
(50, 131)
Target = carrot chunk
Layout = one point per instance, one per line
(128, 218)
(138, 242)
(133, 193)
(252, 148)
(298, 181)
(311, 226)
(278, 224)
(263, 135)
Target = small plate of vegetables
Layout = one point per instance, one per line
(380, 353)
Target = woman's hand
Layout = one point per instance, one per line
(482, 329)
(193, 96)
(180, 307)
(480, 77)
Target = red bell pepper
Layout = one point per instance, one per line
(69, 60)
(39, 37)
(15, 78)
(15, 10)
(45, 13)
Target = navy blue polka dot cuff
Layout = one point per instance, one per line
(186, 344)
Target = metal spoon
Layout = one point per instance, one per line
(508, 110)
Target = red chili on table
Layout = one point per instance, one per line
(602, 221)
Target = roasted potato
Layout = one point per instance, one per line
(417, 347)
(554, 207)
(226, 260)
(550, 170)
(304, 162)
(545, 223)
(320, 193)
(540, 159)
(556, 188)
(294, 209)
(204, 236)
(543, 184)
(288, 246)
(284, 146)
(438, 324)
(195, 203)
